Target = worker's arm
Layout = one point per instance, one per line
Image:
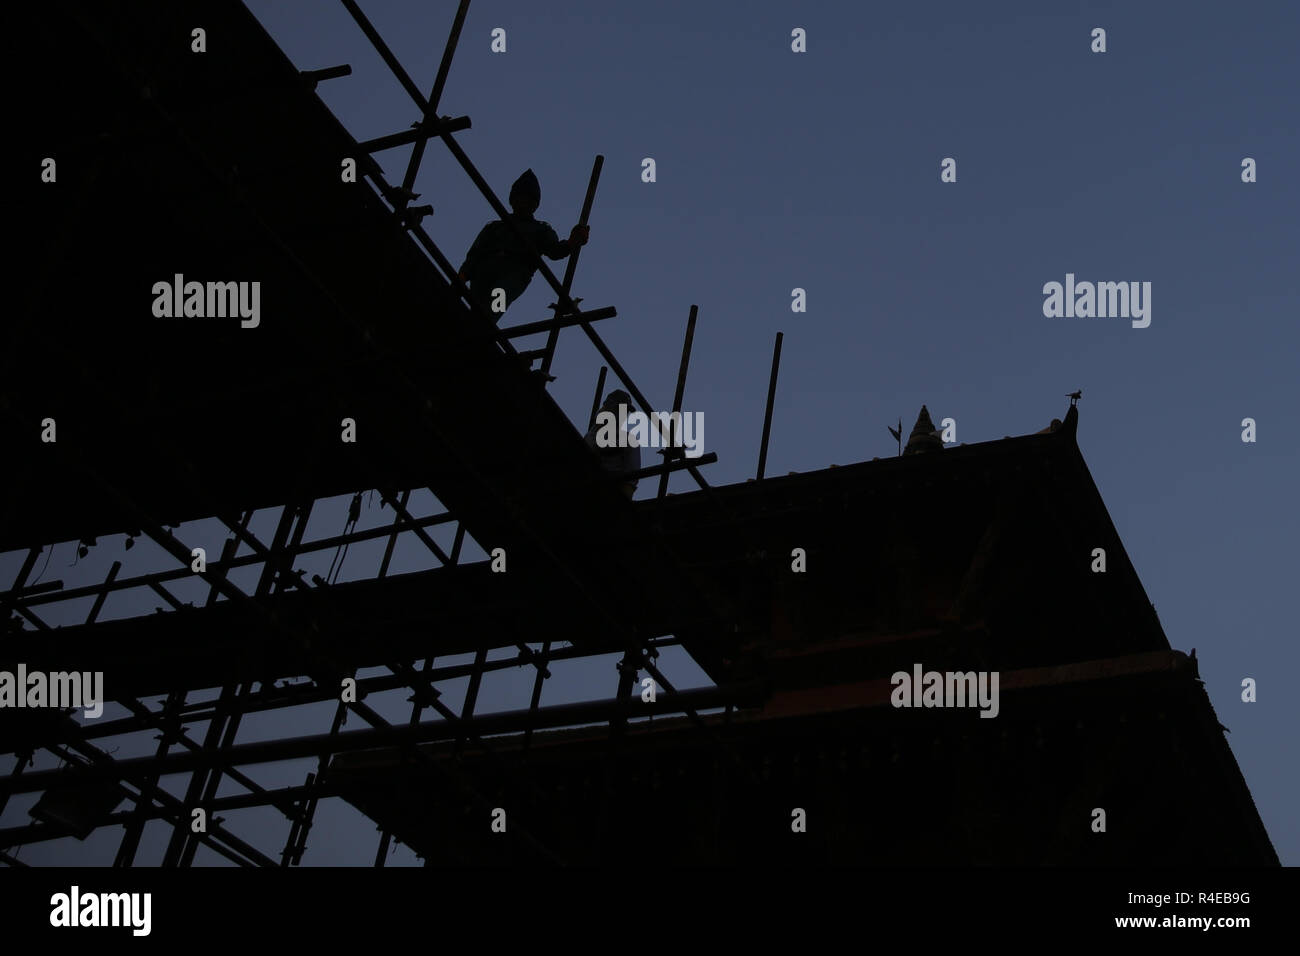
(563, 248)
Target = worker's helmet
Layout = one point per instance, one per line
(616, 398)
(526, 193)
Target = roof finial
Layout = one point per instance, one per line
(924, 436)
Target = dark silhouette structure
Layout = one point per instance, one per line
(925, 437)
(799, 596)
(504, 253)
(623, 458)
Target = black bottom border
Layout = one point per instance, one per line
(330, 905)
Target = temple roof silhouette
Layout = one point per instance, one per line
(226, 167)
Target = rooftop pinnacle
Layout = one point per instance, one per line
(924, 437)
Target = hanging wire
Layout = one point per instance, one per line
(45, 565)
(341, 552)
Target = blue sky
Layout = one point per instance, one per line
(821, 171)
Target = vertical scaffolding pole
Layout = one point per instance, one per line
(392, 539)
(207, 789)
(612, 804)
(131, 837)
(431, 107)
(771, 397)
(417, 707)
(543, 672)
(471, 696)
(671, 450)
(554, 337)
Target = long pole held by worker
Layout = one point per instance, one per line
(553, 339)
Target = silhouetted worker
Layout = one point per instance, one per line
(612, 443)
(498, 260)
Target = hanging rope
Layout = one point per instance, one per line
(44, 566)
(341, 552)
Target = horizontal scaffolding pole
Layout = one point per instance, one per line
(283, 799)
(312, 77)
(42, 594)
(747, 694)
(299, 695)
(670, 466)
(423, 131)
(564, 321)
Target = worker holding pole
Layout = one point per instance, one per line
(498, 266)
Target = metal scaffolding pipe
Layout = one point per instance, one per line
(771, 397)
(514, 721)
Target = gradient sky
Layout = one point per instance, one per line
(821, 171)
